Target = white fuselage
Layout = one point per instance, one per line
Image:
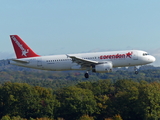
(63, 62)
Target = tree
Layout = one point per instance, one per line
(27, 101)
(124, 100)
(85, 117)
(149, 100)
(75, 102)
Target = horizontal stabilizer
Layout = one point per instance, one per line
(20, 61)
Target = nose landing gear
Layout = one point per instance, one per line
(136, 70)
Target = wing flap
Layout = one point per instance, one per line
(82, 62)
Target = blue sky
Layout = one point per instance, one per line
(74, 26)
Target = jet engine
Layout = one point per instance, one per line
(102, 68)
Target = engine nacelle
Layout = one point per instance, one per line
(102, 68)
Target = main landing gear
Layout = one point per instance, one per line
(86, 75)
(136, 70)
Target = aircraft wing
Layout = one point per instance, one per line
(20, 61)
(82, 62)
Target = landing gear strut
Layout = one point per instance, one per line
(86, 75)
(136, 70)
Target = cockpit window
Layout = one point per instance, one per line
(144, 54)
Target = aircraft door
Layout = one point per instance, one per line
(135, 55)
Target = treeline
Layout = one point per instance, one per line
(56, 80)
(101, 100)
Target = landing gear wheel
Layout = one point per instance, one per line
(86, 75)
(136, 72)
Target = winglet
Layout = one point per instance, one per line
(21, 49)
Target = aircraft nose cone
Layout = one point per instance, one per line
(152, 59)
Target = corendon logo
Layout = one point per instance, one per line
(127, 55)
(24, 51)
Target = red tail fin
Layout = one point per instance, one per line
(21, 49)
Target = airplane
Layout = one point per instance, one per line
(99, 62)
